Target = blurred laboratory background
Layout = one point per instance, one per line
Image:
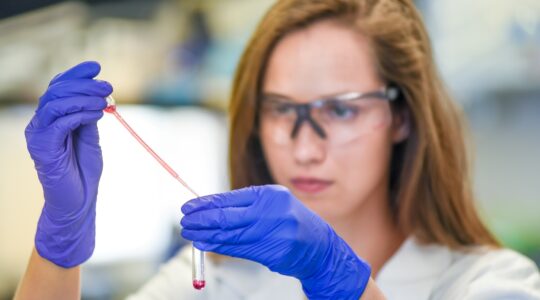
(171, 63)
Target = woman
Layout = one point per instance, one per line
(339, 103)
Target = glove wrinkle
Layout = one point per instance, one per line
(285, 236)
(63, 140)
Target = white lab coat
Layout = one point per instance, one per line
(415, 271)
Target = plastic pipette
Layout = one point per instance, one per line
(197, 259)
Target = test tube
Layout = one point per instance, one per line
(197, 256)
(197, 268)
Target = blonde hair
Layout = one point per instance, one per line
(431, 196)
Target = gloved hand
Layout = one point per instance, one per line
(267, 224)
(63, 141)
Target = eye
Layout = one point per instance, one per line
(278, 108)
(340, 111)
(283, 109)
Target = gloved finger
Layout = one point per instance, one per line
(219, 218)
(64, 106)
(48, 141)
(246, 251)
(66, 124)
(236, 236)
(76, 87)
(87, 69)
(88, 138)
(217, 248)
(241, 251)
(202, 246)
(235, 198)
(88, 134)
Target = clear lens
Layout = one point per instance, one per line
(343, 121)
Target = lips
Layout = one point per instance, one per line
(310, 185)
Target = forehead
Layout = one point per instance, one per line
(323, 59)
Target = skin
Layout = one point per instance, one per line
(327, 59)
(338, 60)
(45, 280)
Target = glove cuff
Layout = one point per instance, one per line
(66, 243)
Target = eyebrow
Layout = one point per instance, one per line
(277, 96)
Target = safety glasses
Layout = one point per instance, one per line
(338, 119)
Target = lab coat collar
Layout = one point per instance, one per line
(415, 262)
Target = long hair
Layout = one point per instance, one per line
(431, 195)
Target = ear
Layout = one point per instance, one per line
(401, 126)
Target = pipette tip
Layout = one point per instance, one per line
(111, 105)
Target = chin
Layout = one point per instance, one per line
(325, 207)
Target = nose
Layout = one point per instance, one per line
(308, 147)
(303, 115)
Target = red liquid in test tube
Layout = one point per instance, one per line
(197, 262)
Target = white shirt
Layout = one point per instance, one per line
(415, 271)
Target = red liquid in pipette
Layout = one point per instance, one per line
(112, 109)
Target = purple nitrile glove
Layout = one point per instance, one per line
(63, 141)
(267, 224)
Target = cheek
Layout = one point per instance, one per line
(361, 171)
(277, 158)
(364, 167)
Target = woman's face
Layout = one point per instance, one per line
(338, 174)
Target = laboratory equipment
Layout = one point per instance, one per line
(197, 263)
(267, 224)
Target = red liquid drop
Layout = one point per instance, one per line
(199, 284)
(110, 108)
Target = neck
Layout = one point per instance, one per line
(371, 232)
